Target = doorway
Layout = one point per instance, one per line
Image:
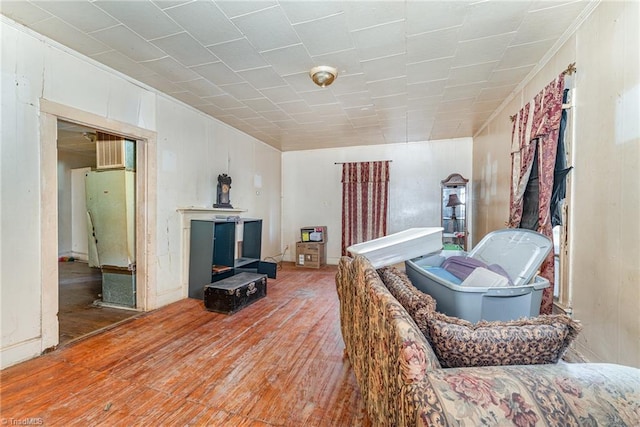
(83, 310)
(145, 219)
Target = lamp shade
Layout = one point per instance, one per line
(453, 200)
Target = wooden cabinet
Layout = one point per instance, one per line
(311, 255)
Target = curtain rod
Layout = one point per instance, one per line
(571, 68)
(344, 163)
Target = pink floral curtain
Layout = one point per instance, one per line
(537, 123)
(365, 199)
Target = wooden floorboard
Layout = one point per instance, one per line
(277, 362)
(79, 287)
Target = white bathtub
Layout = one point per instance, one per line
(399, 247)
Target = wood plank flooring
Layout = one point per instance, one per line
(277, 362)
(79, 287)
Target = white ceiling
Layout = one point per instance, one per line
(408, 70)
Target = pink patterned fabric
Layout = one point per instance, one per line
(544, 128)
(365, 194)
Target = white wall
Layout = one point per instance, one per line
(312, 189)
(192, 149)
(604, 230)
(66, 162)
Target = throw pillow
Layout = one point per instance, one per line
(538, 340)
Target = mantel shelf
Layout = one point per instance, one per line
(204, 209)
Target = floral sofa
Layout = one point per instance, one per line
(403, 382)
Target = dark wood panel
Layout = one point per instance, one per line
(277, 362)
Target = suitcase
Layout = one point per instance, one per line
(234, 293)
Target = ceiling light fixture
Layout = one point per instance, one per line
(323, 75)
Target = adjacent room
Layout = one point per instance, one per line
(193, 192)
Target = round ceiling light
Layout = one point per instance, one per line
(323, 75)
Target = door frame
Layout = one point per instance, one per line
(146, 193)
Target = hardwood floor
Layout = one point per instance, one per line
(79, 286)
(277, 362)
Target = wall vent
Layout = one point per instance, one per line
(114, 152)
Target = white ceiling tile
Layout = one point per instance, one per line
(129, 43)
(388, 87)
(293, 107)
(462, 91)
(188, 98)
(267, 29)
(299, 11)
(217, 73)
(238, 54)
(260, 122)
(167, 4)
(482, 50)
(548, 22)
(471, 74)
(363, 14)
(355, 99)
(390, 101)
(325, 35)
(84, 15)
(380, 41)
(280, 94)
(318, 97)
(171, 69)
(24, 12)
(432, 45)
(276, 116)
(525, 54)
(70, 36)
(205, 22)
(502, 77)
(289, 60)
(262, 78)
(425, 71)
(213, 110)
(160, 83)
(385, 68)
(424, 16)
(486, 19)
(225, 101)
(185, 49)
(349, 83)
(241, 112)
(370, 122)
(124, 64)
(427, 103)
(495, 93)
(201, 87)
(424, 89)
(233, 8)
(143, 17)
(241, 91)
(487, 106)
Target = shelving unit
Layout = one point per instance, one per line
(213, 252)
